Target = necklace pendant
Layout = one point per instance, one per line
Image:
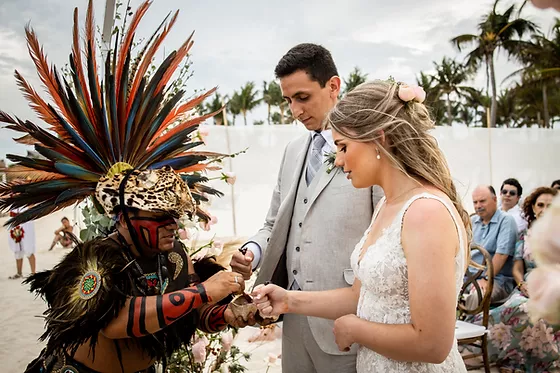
(177, 260)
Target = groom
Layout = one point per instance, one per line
(315, 219)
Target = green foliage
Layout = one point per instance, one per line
(355, 78)
(96, 223)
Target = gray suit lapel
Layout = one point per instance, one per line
(279, 236)
(324, 179)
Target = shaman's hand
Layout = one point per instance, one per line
(223, 284)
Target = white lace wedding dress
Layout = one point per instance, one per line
(384, 293)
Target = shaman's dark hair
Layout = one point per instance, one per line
(314, 59)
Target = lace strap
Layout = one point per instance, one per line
(447, 206)
(375, 213)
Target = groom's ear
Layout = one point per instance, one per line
(334, 86)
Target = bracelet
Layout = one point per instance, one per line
(519, 285)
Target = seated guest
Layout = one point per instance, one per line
(511, 192)
(63, 234)
(496, 231)
(555, 184)
(515, 343)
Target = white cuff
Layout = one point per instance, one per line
(257, 252)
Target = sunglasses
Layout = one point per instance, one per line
(541, 205)
(512, 193)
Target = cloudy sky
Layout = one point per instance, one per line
(240, 41)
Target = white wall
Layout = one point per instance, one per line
(475, 156)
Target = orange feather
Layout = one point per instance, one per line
(147, 60)
(180, 127)
(128, 41)
(77, 55)
(182, 109)
(46, 74)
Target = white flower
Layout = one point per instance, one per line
(226, 341)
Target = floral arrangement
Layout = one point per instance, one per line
(209, 353)
(411, 93)
(17, 233)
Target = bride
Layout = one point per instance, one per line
(409, 265)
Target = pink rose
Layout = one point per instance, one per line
(203, 133)
(183, 234)
(419, 94)
(227, 341)
(199, 352)
(543, 4)
(544, 294)
(229, 177)
(272, 358)
(205, 225)
(406, 93)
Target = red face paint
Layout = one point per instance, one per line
(150, 229)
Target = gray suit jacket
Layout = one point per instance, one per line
(337, 218)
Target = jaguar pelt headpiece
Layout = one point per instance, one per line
(159, 190)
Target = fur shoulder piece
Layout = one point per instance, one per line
(84, 292)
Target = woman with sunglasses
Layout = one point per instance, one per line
(515, 343)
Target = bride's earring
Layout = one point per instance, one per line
(378, 154)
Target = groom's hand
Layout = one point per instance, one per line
(242, 263)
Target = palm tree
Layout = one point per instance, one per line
(212, 106)
(449, 78)
(248, 99)
(475, 105)
(277, 99)
(355, 78)
(272, 96)
(496, 31)
(433, 97)
(508, 108)
(541, 57)
(267, 100)
(234, 106)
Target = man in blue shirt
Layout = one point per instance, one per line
(496, 231)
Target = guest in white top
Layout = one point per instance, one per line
(511, 192)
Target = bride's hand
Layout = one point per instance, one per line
(271, 300)
(344, 328)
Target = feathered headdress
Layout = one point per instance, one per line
(101, 127)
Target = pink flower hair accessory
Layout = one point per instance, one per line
(409, 93)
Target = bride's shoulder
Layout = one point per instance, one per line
(428, 210)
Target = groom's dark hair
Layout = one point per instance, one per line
(314, 59)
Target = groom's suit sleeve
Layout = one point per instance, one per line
(259, 242)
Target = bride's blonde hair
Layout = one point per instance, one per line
(373, 107)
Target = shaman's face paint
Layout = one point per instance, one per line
(155, 232)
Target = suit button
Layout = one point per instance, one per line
(297, 249)
(294, 272)
(300, 224)
(305, 200)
